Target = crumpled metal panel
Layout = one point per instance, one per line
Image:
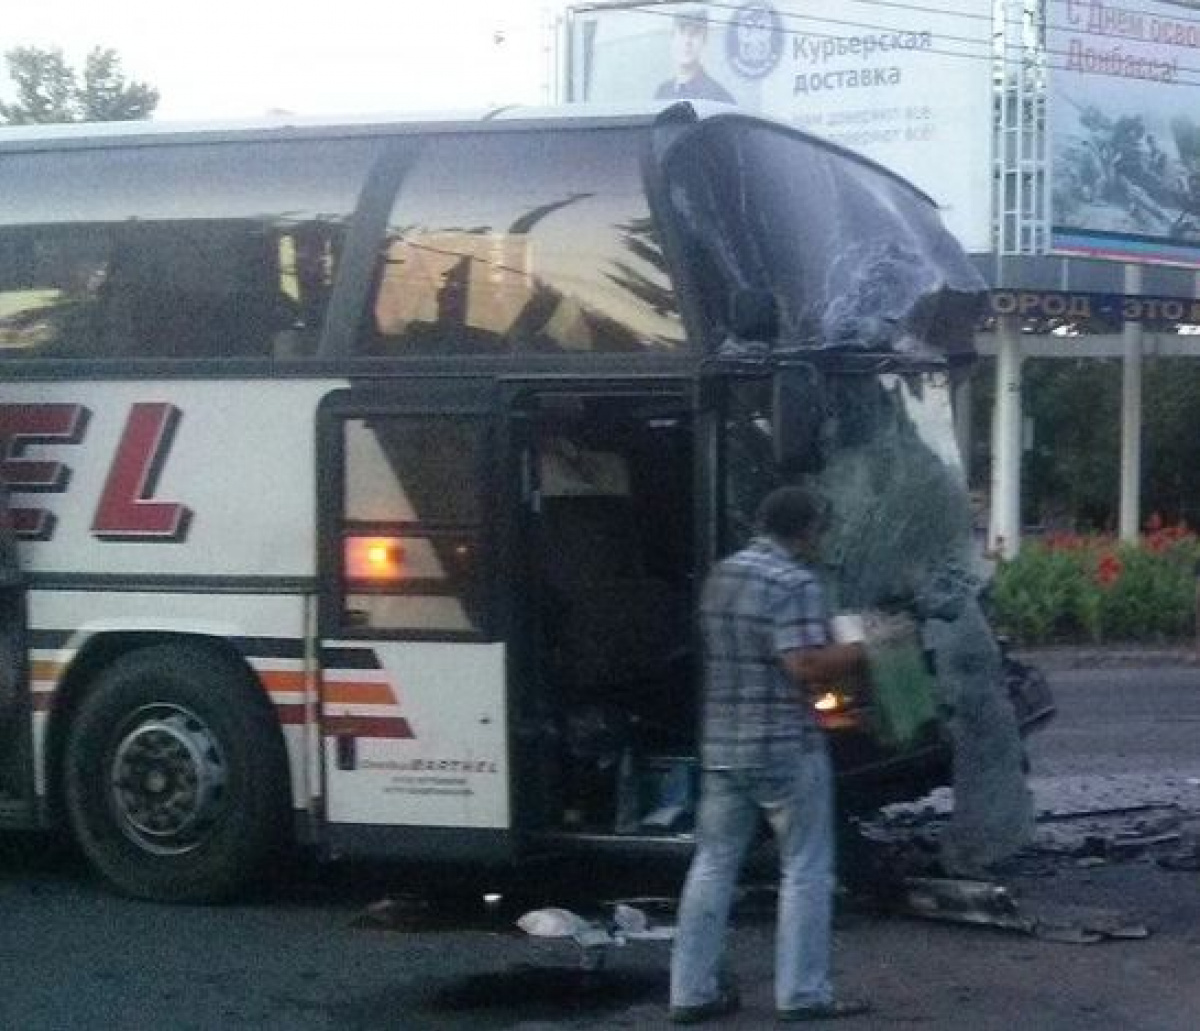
(900, 537)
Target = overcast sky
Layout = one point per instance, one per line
(232, 58)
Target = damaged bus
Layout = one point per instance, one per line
(362, 475)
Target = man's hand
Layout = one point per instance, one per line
(813, 667)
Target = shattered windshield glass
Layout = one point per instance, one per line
(890, 471)
(895, 486)
(852, 256)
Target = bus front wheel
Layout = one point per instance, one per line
(175, 775)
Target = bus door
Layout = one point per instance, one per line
(413, 720)
(603, 571)
(15, 759)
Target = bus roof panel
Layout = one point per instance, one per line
(77, 135)
(26, 137)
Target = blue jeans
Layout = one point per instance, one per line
(798, 804)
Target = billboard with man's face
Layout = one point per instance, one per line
(1124, 109)
(907, 85)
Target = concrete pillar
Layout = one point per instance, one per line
(1004, 526)
(1131, 417)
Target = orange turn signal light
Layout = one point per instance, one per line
(374, 559)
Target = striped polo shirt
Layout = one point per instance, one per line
(756, 605)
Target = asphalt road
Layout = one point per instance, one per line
(1121, 721)
(314, 956)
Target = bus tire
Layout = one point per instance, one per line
(175, 775)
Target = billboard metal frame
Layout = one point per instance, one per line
(1021, 202)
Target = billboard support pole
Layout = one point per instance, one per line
(1131, 415)
(1004, 526)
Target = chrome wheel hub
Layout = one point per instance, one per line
(167, 779)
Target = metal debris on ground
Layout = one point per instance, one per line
(1085, 925)
(1186, 856)
(988, 904)
(1088, 836)
(962, 901)
(594, 938)
(1055, 815)
(1113, 833)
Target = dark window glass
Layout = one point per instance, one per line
(529, 241)
(203, 250)
(749, 468)
(412, 522)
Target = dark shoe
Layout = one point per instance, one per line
(724, 1004)
(826, 1010)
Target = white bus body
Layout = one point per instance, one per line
(363, 475)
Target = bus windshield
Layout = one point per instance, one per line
(852, 256)
(888, 466)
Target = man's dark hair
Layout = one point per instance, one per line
(790, 513)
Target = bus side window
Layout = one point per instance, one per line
(434, 296)
(193, 250)
(307, 258)
(166, 290)
(196, 291)
(49, 291)
(412, 525)
(526, 241)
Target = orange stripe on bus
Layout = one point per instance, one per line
(358, 693)
(282, 679)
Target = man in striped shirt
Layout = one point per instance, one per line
(766, 649)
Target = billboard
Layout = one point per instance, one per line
(1124, 130)
(908, 85)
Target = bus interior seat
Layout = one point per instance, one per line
(611, 625)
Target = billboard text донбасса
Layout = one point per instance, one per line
(910, 87)
(1124, 111)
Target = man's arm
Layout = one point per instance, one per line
(812, 668)
(809, 657)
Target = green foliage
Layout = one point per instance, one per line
(50, 90)
(1033, 594)
(1070, 588)
(1073, 466)
(1171, 428)
(1070, 472)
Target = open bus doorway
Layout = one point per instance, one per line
(608, 672)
